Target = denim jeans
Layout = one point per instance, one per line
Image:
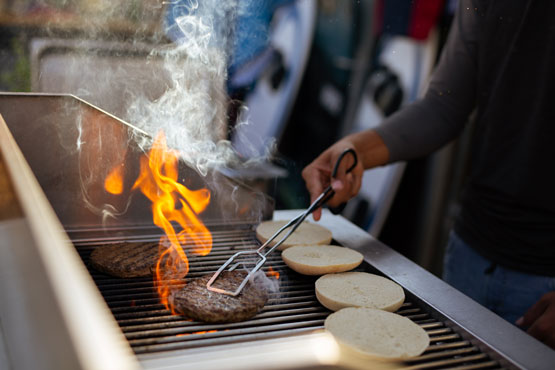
(508, 293)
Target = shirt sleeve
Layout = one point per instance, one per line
(440, 115)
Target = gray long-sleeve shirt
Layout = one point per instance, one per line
(499, 60)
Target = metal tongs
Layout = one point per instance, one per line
(293, 225)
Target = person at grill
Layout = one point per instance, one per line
(498, 62)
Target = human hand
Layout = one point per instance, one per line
(540, 320)
(318, 175)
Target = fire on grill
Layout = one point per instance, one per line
(172, 202)
(58, 311)
(176, 206)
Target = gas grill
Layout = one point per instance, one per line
(61, 313)
(150, 328)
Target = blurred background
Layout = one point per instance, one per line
(301, 73)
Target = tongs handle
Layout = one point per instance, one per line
(326, 195)
(329, 192)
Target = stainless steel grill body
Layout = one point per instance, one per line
(59, 315)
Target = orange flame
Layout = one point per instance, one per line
(173, 202)
(114, 181)
(272, 273)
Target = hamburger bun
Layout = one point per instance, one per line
(376, 334)
(321, 259)
(358, 289)
(306, 234)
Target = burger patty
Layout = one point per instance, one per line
(197, 302)
(126, 260)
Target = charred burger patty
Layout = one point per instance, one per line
(126, 260)
(201, 304)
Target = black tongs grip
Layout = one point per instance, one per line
(329, 192)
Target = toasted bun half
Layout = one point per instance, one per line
(306, 234)
(358, 289)
(320, 259)
(377, 334)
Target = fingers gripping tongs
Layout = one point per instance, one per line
(260, 257)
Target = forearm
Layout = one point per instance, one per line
(415, 131)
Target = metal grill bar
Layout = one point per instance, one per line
(197, 342)
(161, 330)
(150, 327)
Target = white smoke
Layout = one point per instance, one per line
(192, 112)
(180, 90)
(260, 279)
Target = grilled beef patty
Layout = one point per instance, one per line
(126, 260)
(201, 304)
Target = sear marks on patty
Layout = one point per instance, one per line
(201, 304)
(126, 260)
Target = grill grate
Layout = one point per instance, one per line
(150, 327)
